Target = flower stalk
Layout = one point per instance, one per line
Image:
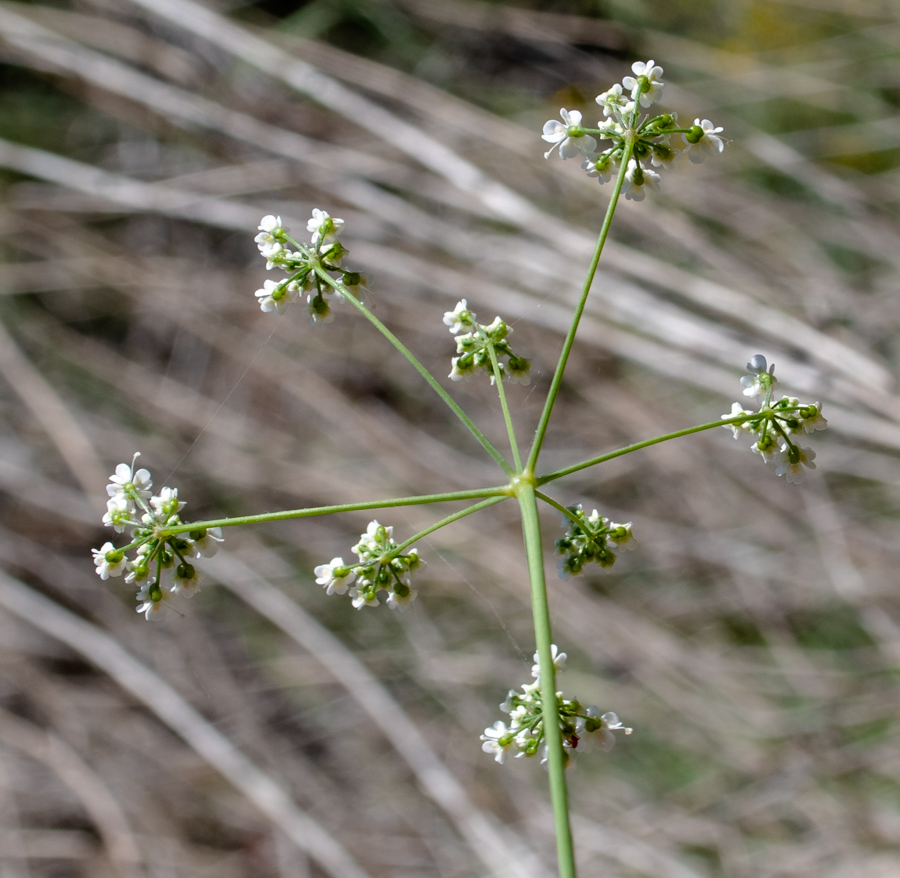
(557, 379)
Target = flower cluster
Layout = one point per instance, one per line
(304, 265)
(132, 505)
(474, 347)
(581, 727)
(590, 538)
(775, 422)
(381, 567)
(623, 124)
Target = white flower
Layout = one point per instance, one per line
(601, 168)
(611, 100)
(128, 484)
(507, 705)
(205, 543)
(109, 561)
(761, 377)
(153, 610)
(324, 227)
(646, 85)
(140, 567)
(611, 130)
(765, 448)
(271, 234)
(276, 296)
(814, 421)
(457, 373)
(166, 504)
(565, 136)
(603, 735)
(499, 741)
(318, 309)
(372, 530)
(621, 537)
(518, 370)
(737, 410)
(271, 225)
(791, 461)
(703, 142)
(277, 255)
(458, 318)
(495, 325)
(662, 156)
(117, 513)
(335, 577)
(397, 601)
(374, 542)
(186, 580)
(559, 661)
(636, 178)
(361, 598)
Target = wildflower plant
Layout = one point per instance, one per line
(161, 547)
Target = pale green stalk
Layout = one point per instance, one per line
(510, 431)
(567, 513)
(456, 516)
(500, 491)
(724, 422)
(433, 383)
(531, 528)
(525, 491)
(556, 383)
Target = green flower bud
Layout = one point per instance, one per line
(642, 149)
(766, 442)
(695, 135)
(319, 306)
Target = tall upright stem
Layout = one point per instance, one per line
(552, 736)
(556, 383)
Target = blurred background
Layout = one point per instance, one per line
(753, 640)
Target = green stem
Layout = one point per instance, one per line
(782, 433)
(559, 508)
(552, 736)
(456, 516)
(432, 381)
(585, 290)
(724, 422)
(477, 493)
(510, 431)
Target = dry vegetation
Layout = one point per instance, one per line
(753, 640)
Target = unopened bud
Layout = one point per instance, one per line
(695, 135)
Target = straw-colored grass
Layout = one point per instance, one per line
(752, 640)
